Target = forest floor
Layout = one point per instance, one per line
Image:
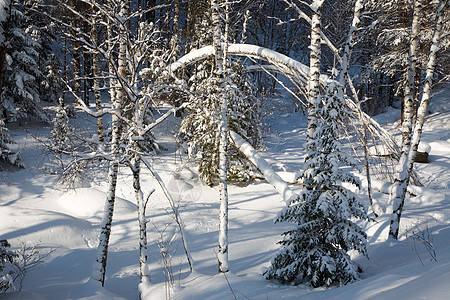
(64, 225)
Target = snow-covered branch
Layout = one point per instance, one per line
(269, 174)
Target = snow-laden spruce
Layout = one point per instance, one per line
(20, 90)
(315, 251)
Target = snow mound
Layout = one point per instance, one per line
(23, 295)
(49, 228)
(89, 202)
(424, 147)
(93, 291)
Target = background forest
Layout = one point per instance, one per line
(140, 103)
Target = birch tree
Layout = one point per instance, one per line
(133, 90)
(400, 186)
(314, 77)
(220, 58)
(99, 267)
(96, 73)
(408, 94)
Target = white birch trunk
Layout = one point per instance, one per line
(219, 40)
(223, 166)
(142, 219)
(408, 97)
(348, 45)
(99, 267)
(174, 42)
(314, 76)
(314, 67)
(217, 36)
(112, 82)
(76, 65)
(122, 57)
(96, 74)
(399, 189)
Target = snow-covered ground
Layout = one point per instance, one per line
(36, 211)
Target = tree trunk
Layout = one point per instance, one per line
(112, 81)
(217, 36)
(96, 75)
(223, 167)
(314, 66)
(99, 267)
(314, 76)
(136, 169)
(76, 65)
(399, 190)
(349, 43)
(408, 97)
(122, 59)
(118, 102)
(220, 65)
(175, 28)
(266, 170)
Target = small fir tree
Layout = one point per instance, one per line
(315, 251)
(44, 32)
(7, 273)
(7, 157)
(4, 140)
(199, 128)
(61, 130)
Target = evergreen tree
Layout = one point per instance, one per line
(43, 31)
(20, 94)
(199, 128)
(7, 258)
(6, 156)
(315, 251)
(61, 132)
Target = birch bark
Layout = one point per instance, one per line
(408, 97)
(219, 43)
(314, 66)
(314, 76)
(99, 268)
(76, 65)
(399, 189)
(142, 219)
(96, 74)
